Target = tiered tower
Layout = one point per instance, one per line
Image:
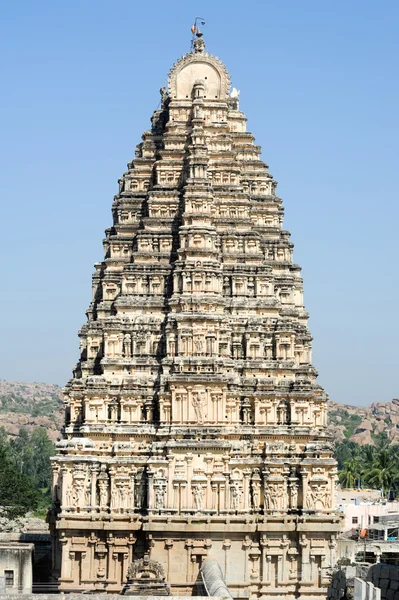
(194, 424)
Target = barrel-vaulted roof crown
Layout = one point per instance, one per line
(196, 66)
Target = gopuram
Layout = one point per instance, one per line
(194, 424)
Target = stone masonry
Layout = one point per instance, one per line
(194, 424)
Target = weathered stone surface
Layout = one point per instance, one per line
(362, 437)
(195, 426)
(16, 567)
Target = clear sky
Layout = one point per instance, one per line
(319, 85)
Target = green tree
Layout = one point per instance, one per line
(17, 491)
(345, 451)
(22, 452)
(25, 482)
(350, 475)
(383, 472)
(42, 448)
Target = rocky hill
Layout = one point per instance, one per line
(364, 424)
(31, 405)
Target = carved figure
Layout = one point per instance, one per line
(317, 498)
(88, 494)
(198, 493)
(114, 498)
(255, 492)
(198, 344)
(294, 494)
(274, 496)
(145, 577)
(103, 492)
(159, 496)
(235, 496)
(199, 403)
(164, 97)
(127, 345)
(68, 496)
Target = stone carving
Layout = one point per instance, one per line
(235, 495)
(275, 497)
(127, 345)
(198, 494)
(146, 568)
(199, 402)
(255, 489)
(294, 494)
(318, 498)
(164, 97)
(160, 491)
(146, 577)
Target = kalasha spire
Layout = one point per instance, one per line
(197, 41)
(194, 422)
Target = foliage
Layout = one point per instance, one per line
(342, 417)
(30, 405)
(25, 472)
(368, 466)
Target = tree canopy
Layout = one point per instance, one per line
(368, 466)
(25, 472)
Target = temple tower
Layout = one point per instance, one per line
(194, 424)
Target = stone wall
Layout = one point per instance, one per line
(385, 577)
(337, 587)
(16, 567)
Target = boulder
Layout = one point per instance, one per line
(362, 438)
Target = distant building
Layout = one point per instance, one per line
(16, 567)
(363, 508)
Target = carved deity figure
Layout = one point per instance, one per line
(78, 493)
(282, 412)
(88, 494)
(317, 498)
(159, 496)
(198, 493)
(114, 497)
(199, 401)
(198, 345)
(294, 494)
(235, 496)
(68, 496)
(103, 493)
(274, 496)
(255, 492)
(127, 345)
(122, 496)
(74, 498)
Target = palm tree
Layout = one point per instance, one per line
(383, 471)
(367, 457)
(350, 474)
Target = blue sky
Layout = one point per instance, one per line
(319, 85)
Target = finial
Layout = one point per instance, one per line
(197, 43)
